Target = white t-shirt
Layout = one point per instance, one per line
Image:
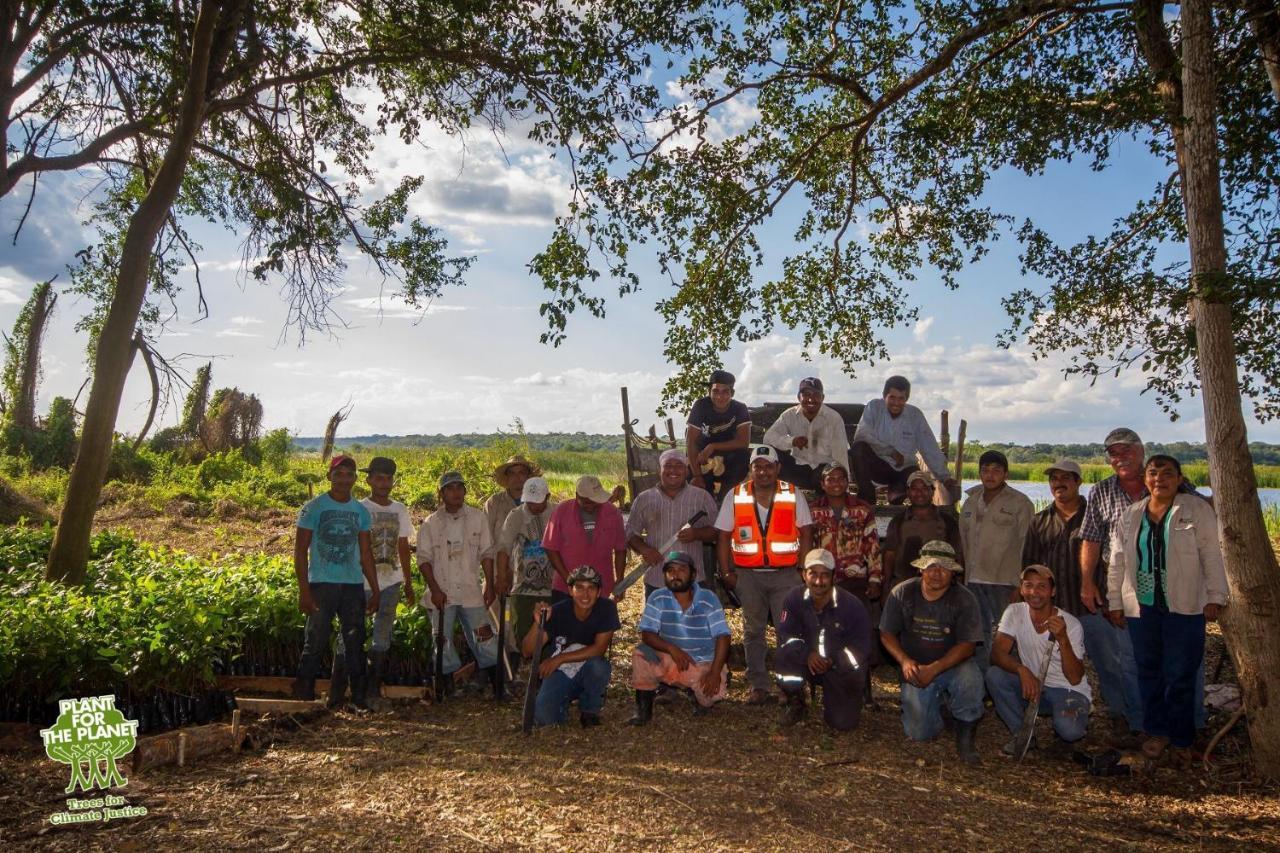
(1016, 623)
(724, 521)
(390, 524)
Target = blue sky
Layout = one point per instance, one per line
(472, 361)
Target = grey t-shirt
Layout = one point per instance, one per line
(928, 629)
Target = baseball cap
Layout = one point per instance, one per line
(584, 573)
(765, 452)
(811, 383)
(1121, 435)
(1065, 465)
(937, 552)
(381, 465)
(820, 557)
(922, 476)
(341, 459)
(1037, 569)
(448, 478)
(677, 557)
(589, 487)
(535, 490)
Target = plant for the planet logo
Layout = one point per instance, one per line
(90, 735)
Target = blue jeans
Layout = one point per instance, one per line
(472, 619)
(383, 621)
(1070, 708)
(960, 687)
(346, 601)
(993, 598)
(1169, 649)
(558, 690)
(1110, 649)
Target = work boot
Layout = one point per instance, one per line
(337, 683)
(496, 678)
(794, 711)
(644, 708)
(373, 692)
(965, 748)
(1014, 745)
(358, 686)
(588, 719)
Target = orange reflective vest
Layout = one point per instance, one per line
(779, 545)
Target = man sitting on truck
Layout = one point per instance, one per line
(885, 444)
(718, 438)
(808, 438)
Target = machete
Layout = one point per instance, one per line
(535, 678)
(638, 573)
(439, 673)
(500, 684)
(1028, 731)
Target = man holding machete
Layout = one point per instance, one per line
(659, 513)
(1047, 676)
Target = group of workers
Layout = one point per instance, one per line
(1001, 601)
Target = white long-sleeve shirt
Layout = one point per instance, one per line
(827, 440)
(906, 434)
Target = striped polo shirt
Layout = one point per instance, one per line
(694, 630)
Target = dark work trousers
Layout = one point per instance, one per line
(737, 464)
(1168, 648)
(869, 469)
(799, 475)
(842, 685)
(858, 587)
(346, 601)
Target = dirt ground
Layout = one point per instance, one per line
(462, 776)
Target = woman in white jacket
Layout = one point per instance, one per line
(1165, 581)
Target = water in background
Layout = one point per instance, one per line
(1041, 496)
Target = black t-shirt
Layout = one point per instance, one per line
(928, 629)
(717, 426)
(564, 629)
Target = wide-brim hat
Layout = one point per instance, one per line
(500, 473)
(936, 552)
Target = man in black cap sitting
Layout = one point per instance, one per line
(808, 438)
(718, 438)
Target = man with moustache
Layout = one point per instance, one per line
(824, 638)
(659, 513)
(510, 475)
(922, 522)
(1036, 628)
(890, 433)
(808, 438)
(586, 531)
(684, 642)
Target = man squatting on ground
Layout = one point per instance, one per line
(330, 553)
(684, 641)
(389, 532)
(824, 638)
(889, 434)
(764, 529)
(931, 625)
(454, 554)
(658, 513)
(808, 438)
(1035, 627)
(575, 660)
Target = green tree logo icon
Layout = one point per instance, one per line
(90, 735)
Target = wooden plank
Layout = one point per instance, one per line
(284, 686)
(276, 706)
(182, 745)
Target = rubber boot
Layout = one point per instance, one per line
(358, 686)
(965, 746)
(373, 691)
(499, 682)
(338, 682)
(644, 707)
(304, 689)
(795, 709)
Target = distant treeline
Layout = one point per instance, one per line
(570, 441)
(1184, 451)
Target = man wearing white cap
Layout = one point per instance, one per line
(824, 637)
(763, 531)
(658, 513)
(586, 531)
(523, 569)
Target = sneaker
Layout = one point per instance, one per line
(1014, 745)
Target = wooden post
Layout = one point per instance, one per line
(235, 730)
(182, 749)
(945, 444)
(671, 432)
(964, 425)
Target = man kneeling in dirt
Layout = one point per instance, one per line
(931, 625)
(684, 641)
(575, 664)
(331, 551)
(824, 637)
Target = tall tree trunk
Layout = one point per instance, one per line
(1250, 621)
(1265, 23)
(41, 304)
(69, 555)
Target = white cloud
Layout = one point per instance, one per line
(245, 321)
(393, 306)
(921, 330)
(538, 378)
(237, 333)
